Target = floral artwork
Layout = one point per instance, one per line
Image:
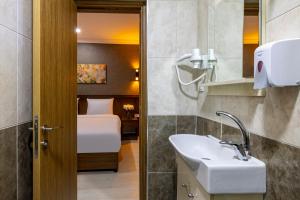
(91, 73)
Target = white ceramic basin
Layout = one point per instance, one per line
(216, 167)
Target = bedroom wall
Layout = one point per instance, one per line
(16, 99)
(121, 61)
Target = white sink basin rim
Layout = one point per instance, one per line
(216, 167)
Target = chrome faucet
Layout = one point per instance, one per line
(242, 150)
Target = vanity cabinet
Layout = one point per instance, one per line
(188, 188)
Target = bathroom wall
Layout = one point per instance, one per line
(172, 32)
(281, 106)
(16, 99)
(162, 168)
(121, 61)
(273, 120)
(282, 161)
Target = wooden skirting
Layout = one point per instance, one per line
(97, 161)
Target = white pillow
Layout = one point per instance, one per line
(99, 106)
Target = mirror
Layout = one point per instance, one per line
(251, 36)
(233, 32)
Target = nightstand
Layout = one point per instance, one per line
(130, 129)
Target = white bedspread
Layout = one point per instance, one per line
(98, 133)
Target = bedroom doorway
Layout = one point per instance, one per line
(111, 98)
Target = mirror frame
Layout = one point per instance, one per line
(262, 22)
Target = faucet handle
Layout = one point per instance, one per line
(238, 148)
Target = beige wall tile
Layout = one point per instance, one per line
(276, 116)
(165, 96)
(25, 18)
(285, 26)
(187, 23)
(8, 77)
(202, 16)
(276, 8)
(161, 27)
(162, 88)
(24, 79)
(8, 14)
(172, 31)
(186, 96)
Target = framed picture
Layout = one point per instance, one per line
(91, 73)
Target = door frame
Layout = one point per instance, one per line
(139, 7)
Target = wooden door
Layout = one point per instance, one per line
(54, 100)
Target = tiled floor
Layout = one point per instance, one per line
(123, 185)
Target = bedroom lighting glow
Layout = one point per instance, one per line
(78, 30)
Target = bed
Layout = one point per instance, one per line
(98, 141)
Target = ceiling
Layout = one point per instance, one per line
(108, 28)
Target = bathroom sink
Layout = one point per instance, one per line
(216, 167)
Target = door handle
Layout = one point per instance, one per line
(47, 129)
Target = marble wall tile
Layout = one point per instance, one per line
(8, 168)
(211, 128)
(8, 77)
(186, 95)
(162, 186)
(203, 21)
(161, 155)
(25, 18)
(284, 27)
(280, 106)
(8, 14)
(276, 8)
(208, 105)
(25, 160)
(162, 29)
(200, 126)
(282, 161)
(162, 87)
(16, 103)
(172, 31)
(187, 23)
(186, 124)
(24, 79)
(283, 164)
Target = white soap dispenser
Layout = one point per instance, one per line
(277, 64)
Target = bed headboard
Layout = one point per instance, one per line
(119, 101)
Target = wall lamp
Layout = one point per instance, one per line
(137, 74)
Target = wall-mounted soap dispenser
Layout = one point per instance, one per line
(277, 64)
